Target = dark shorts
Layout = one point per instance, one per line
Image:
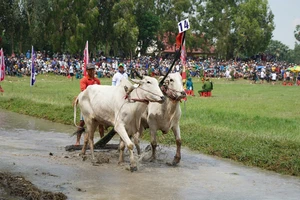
(71, 74)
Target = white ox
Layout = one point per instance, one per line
(118, 107)
(165, 116)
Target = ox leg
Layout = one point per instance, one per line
(85, 141)
(124, 136)
(153, 145)
(101, 131)
(89, 138)
(177, 157)
(136, 140)
(121, 148)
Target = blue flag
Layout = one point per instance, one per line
(32, 79)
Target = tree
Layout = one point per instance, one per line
(253, 27)
(297, 32)
(105, 30)
(14, 25)
(294, 55)
(278, 51)
(237, 28)
(148, 23)
(125, 28)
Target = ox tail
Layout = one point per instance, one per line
(75, 102)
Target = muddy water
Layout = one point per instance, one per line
(34, 148)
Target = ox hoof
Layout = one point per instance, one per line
(95, 163)
(133, 169)
(84, 157)
(171, 164)
(174, 162)
(153, 159)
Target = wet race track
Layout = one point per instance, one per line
(35, 149)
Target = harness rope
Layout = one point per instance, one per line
(139, 99)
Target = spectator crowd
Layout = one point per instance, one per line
(64, 64)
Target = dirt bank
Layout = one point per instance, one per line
(17, 187)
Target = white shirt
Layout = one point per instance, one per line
(274, 76)
(117, 78)
(71, 70)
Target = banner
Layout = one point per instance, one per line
(32, 79)
(85, 57)
(2, 65)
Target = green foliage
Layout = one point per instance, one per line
(148, 23)
(125, 28)
(294, 55)
(246, 25)
(253, 26)
(237, 28)
(297, 32)
(278, 50)
(257, 125)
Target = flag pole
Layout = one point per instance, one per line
(177, 56)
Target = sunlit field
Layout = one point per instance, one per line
(256, 124)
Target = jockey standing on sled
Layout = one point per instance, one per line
(87, 80)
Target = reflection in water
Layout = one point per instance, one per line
(10, 120)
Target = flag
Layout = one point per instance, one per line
(2, 65)
(183, 55)
(179, 40)
(32, 78)
(183, 58)
(85, 57)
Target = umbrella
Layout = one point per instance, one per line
(296, 69)
(259, 67)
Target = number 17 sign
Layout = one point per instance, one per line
(184, 25)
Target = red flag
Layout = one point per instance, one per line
(183, 55)
(181, 43)
(179, 40)
(86, 57)
(2, 65)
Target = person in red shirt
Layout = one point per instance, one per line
(87, 80)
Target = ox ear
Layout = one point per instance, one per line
(128, 90)
(166, 81)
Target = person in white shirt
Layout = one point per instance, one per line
(262, 76)
(119, 75)
(273, 77)
(71, 71)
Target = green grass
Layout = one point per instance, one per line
(256, 124)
